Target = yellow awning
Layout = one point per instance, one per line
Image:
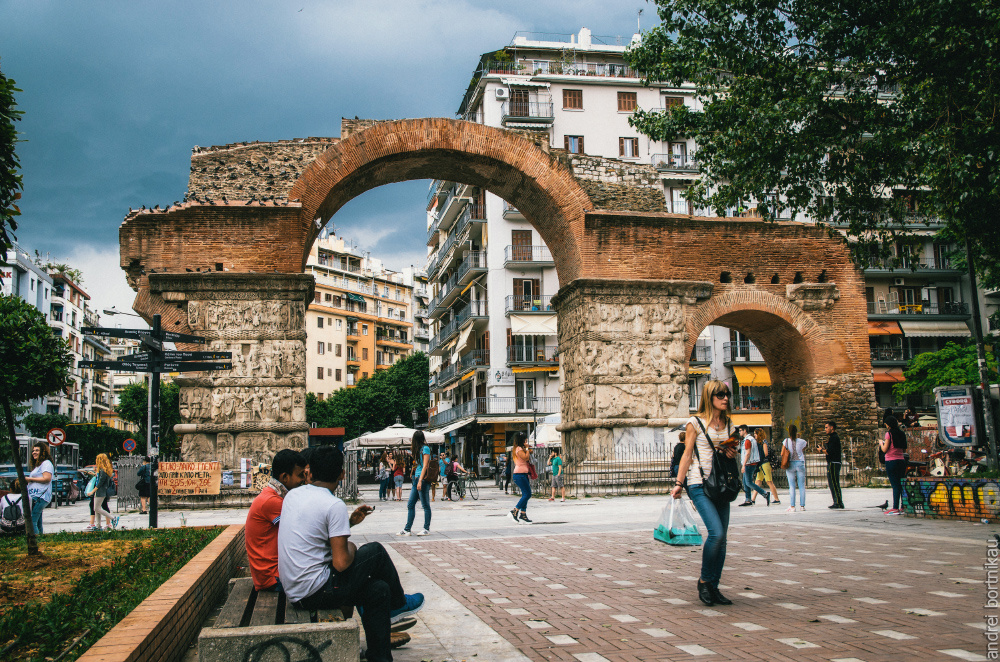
(753, 420)
(884, 328)
(554, 366)
(699, 370)
(755, 376)
(469, 374)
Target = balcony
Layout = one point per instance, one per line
(421, 333)
(952, 308)
(891, 354)
(399, 342)
(512, 213)
(921, 265)
(473, 264)
(526, 112)
(702, 353)
(421, 313)
(743, 351)
(533, 355)
(517, 303)
(432, 232)
(675, 162)
(447, 374)
(495, 407)
(474, 359)
(353, 333)
(535, 256)
(353, 360)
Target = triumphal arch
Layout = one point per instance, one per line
(638, 284)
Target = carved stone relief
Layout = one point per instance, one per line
(252, 315)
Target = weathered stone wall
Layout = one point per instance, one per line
(616, 185)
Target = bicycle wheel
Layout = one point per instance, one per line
(460, 485)
(473, 489)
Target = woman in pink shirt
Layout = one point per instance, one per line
(521, 459)
(895, 464)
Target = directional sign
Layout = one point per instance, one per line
(191, 366)
(128, 445)
(138, 356)
(56, 436)
(130, 366)
(171, 336)
(155, 366)
(171, 355)
(151, 343)
(115, 333)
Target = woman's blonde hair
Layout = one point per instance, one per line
(104, 464)
(711, 387)
(760, 434)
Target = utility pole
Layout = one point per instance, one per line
(153, 424)
(984, 370)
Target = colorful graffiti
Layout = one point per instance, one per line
(952, 498)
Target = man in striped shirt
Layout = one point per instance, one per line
(287, 472)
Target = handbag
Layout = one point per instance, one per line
(676, 525)
(112, 489)
(725, 482)
(91, 487)
(532, 474)
(786, 455)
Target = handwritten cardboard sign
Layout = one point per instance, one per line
(179, 478)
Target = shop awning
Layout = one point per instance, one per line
(506, 419)
(551, 368)
(753, 420)
(755, 376)
(932, 328)
(700, 370)
(534, 325)
(453, 426)
(888, 375)
(468, 375)
(355, 297)
(884, 329)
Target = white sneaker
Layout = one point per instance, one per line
(790, 509)
(404, 532)
(423, 532)
(802, 509)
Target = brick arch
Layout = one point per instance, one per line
(794, 346)
(499, 161)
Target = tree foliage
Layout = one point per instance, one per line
(837, 109)
(133, 406)
(952, 365)
(92, 439)
(375, 403)
(10, 177)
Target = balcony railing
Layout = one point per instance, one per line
(495, 407)
(433, 229)
(740, 351)
(536, 111)
(510, 211)
(541, 67)
(702, 353)
(685, 162)
(900, 354)
(921, 264)
(955, 308)
(447, 374)
(533, 354)
(513, 253)
(421, 312)
(477, 357)
(518, 303)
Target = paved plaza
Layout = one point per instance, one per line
(587, 582)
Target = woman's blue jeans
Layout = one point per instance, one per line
(524, 484)
(383, 487)
(37, 508)
(895, 469)
(796, 473)
(716, 519)
(425, 501)
(749, 472)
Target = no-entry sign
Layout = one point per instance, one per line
(56, 436)
(128, 445)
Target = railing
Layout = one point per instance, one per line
(743, 350)
(893, 308)
(421, 312)
(433, 262)
(477, 357)
(510, 210)
(494, 407)
(702, 353)
(433, 229)
(891, 353)
(444, 334)
(447, 374)
(353, 331)
(538, 110)
(541, 67)
(674, 162)
(474, 260)
(919, 264)
(513, 253)
(519, 303)
(533, 354)
(473, 309)
(472, 212)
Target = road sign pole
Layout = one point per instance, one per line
(153, 431)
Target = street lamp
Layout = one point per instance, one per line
(114, 311)
(416, 416)
(534, 419)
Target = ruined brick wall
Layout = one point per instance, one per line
(616, 185)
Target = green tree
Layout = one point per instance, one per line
(10, 177)
(92, 439)
(952, 365)
(133, 406)
(375, 403)
(35, 363)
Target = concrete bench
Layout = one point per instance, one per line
(263, 626)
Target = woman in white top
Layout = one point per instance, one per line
(714, 418)
(39, 482)
(796, 470)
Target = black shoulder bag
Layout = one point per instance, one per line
(724, 484)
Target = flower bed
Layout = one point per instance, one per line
(959, 498)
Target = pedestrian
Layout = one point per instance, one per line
(398, 468)
(11, 511)
(144, 473)
(264, 517)
(796, 470)
(442, 476)
(384, 476)
(508, 468)
(39, 482)
(895, 463)
(750, 459)
(556, 463)
(419, 489)
(453, 469)
(711, 425)
(675, 460)
(99, 500)
(521, 458)
(833, 463)
(910, 418)
(764, 472)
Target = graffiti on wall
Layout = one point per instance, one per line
(955, 498)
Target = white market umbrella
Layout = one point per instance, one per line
(396, 434)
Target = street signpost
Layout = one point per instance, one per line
(128, 445)
(56, 436)
(154, 360)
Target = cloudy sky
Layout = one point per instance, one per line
(115, 94)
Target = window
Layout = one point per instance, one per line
(573, 144)
(319, 322)
(340, 324)
(626, 102)
(321, 396)
(521, 245)
(573, 99)
(671, 102)
(318, 297)
(364, 353)
(319, 372)
(329, 297)
(385, 291)
(329, 372)
(628, 148)
(364, 329)
(364, 375)
(321, 348)
(338, 350)
(337, 302)
(339, 375)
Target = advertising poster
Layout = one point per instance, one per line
(956, 415)
(181, 478)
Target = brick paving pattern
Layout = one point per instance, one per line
(800, 593)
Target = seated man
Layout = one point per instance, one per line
(287, 473)
(321, 569)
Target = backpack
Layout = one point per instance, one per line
(433, 470)
(11, 515)
(761, 454)
(451, 470)
(110, 489)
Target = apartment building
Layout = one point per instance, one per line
(361, 319)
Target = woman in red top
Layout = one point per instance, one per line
(398, 466)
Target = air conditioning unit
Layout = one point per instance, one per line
(898, 281)
(502, 93)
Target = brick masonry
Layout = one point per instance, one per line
(166, 623)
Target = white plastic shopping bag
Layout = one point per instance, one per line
(676, 525)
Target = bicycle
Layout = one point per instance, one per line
(466, 483)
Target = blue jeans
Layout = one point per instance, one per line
(524, 484)
(796, 473)
(749, 472)
(383, 488)
(425, 501)
(37, 508)
(716, 519)
(894, 469)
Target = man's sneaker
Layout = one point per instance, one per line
(802, 509)
(513, 514)
(403, 624)
(746, 503)
(423, 532)
(524, 518)
(768, 497)
(414, 603)
(404, 532)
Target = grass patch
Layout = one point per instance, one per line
(84, 581)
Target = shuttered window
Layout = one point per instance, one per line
(628, 147)
(626, 101)
(573, 144)
(573, 99)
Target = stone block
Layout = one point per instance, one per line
(308, 642)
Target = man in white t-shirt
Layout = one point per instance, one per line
(321, 569)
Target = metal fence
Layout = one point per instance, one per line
(128, 494)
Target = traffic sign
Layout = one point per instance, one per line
(115, 333)
(56, 436)
(128, 445)
(191, 366)
(172, 355)
(130, 366)
(138, 356)
(156, 366)
(171, 336)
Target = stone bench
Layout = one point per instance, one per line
(263, 626)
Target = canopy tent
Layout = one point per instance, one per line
(395, 435)
(545, 433)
